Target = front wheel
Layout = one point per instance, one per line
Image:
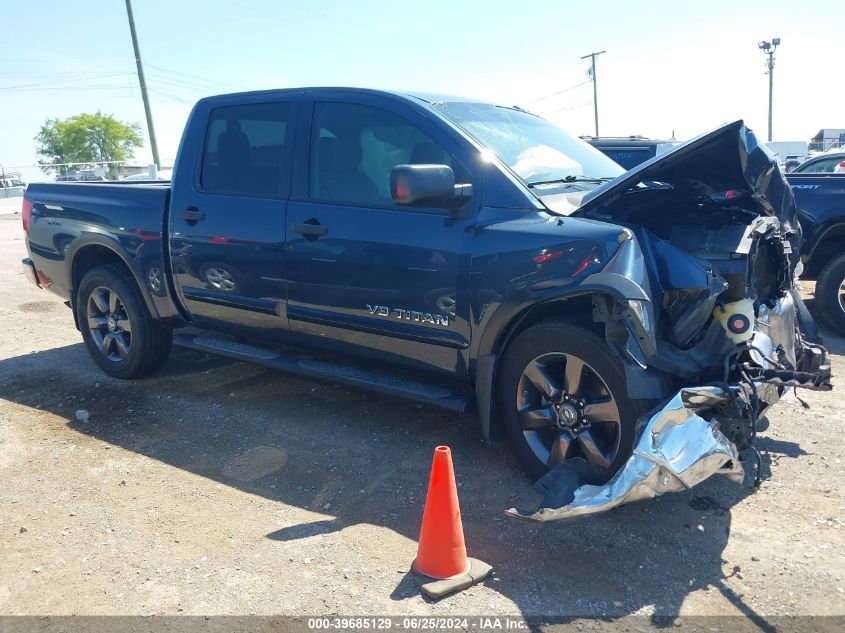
(119, 333)
(562, 395)
(830, 292)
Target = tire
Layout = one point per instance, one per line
(806, 323)
(549, 346)
(830, 292)
(119, 333)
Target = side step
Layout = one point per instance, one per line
(388, 384)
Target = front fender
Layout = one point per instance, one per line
(624, 278)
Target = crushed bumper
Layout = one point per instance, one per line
(681, 444)
(677, 450)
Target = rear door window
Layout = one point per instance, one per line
(247, 150)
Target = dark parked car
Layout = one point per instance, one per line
(467, 256)
(827, 163)
(820, 197)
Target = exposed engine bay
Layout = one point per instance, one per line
(711, 236)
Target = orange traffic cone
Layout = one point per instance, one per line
(441, 564)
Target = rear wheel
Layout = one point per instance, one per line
(830, 292)
(562, 395)
(118, 331)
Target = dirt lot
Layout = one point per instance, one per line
(216, 487)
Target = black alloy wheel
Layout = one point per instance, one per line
(566, 410)
(109, 323)
(118, 330)
(561, 394)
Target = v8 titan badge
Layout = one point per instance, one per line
(409, 315)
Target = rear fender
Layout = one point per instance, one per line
(99, 241)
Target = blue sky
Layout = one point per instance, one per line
(670, 66)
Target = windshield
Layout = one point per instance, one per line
(537, 151)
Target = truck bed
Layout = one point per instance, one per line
(129, 218)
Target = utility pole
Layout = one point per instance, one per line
(592, 73)
(769, 49)
(150, 129)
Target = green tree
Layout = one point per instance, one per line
(86, 138)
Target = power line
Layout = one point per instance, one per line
(336, 18)
(577, 106)
(58, 81)
(56, 73)
(158, 92)
(187, 85)
(559, 92)
(197, 77)
(159, 79)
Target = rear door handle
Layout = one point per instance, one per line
(192, 214)
(310, 230)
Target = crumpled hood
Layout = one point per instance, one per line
(729, 158)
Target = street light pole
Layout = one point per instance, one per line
(769, 49)
(771, 64)
(592, 57)
(150, 129)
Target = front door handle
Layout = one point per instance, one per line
(192, 214)
(310, 229)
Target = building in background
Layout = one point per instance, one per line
(828, 138)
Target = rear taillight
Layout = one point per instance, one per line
(26, 211)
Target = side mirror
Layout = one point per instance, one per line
(435, 184)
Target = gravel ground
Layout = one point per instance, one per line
(215, 487)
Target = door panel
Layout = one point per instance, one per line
(367, 277)
(227, 239)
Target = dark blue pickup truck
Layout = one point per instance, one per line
(467, 256)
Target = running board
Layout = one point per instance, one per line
(384, 383)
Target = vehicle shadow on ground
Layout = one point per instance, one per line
(362, 458)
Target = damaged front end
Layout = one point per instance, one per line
(677, 450)
(714, 225)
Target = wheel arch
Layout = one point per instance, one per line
(829, 244)
(576, 307)
(92, 254)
